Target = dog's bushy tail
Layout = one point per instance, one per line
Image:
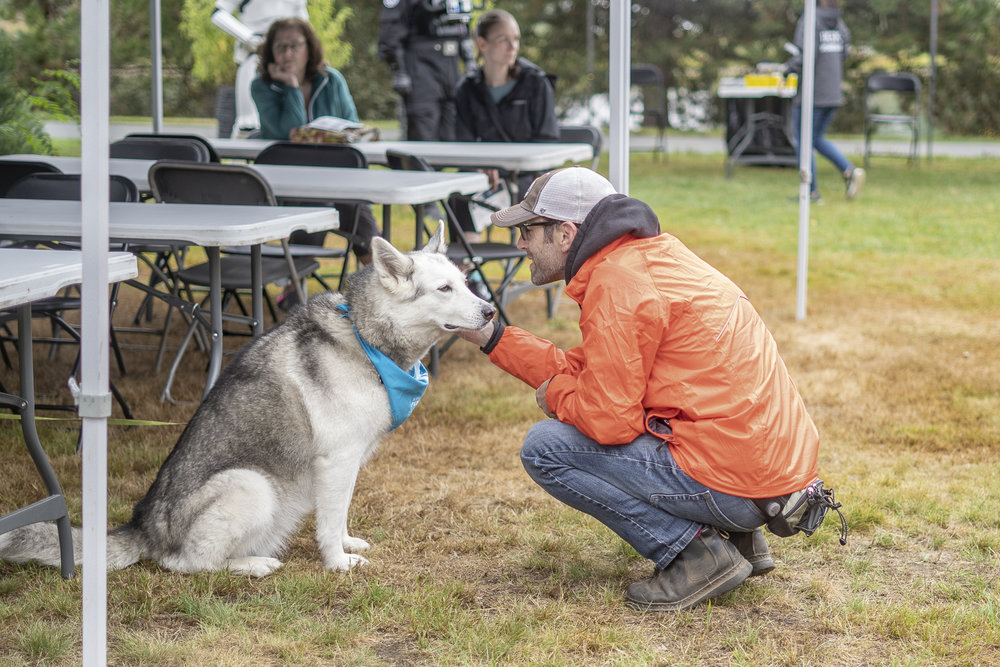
(39, 542)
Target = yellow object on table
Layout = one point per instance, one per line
(770, 81)
(762, 80)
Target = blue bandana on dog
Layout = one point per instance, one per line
(405, 388)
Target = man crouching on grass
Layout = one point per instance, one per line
(674, 413)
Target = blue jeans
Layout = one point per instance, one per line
(636, 490)
(822, 117)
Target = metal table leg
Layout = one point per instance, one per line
(215, 308)
(52, 508)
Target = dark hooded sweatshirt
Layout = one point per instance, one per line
(667, 339)
(832, 42)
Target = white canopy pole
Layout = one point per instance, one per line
(618, 88)
(931, 82)
(156, 62)
(805, 154)
(94, 399)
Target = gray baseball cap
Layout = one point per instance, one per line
(566, 194)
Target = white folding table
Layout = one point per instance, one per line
(376, 186)
(463, 155)
(26, 276)
(209, 226)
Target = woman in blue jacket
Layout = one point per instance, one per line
(294, 84)
(294, 87)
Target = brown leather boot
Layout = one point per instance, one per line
(706, 568)
(753, 547)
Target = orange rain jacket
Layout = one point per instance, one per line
(668, 337)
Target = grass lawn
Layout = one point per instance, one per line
(471, 563)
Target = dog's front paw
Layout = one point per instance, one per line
(255, 566)
(355, 544)
(345, 562)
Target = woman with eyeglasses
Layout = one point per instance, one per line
(294, 83)
(295, 86)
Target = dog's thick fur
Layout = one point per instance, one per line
(286, 428)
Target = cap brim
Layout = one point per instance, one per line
(512, 215)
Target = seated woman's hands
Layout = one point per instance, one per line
(280, 75)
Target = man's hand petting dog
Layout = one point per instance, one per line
(478, 336)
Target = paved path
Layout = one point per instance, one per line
(676, 143)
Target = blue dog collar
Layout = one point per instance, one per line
(405, 388)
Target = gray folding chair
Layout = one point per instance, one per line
(583, 134)
(171, 136)
(323, 155)
(186, 147)
(161, 148)
(202, 183)
(649, 79)
(11, 171)
(893, 99)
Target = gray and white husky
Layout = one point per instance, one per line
(287, 427)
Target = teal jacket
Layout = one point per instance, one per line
(281, 108)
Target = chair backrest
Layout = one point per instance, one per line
(212, 155)
(900, 82)
(645, 75)
(406, 161)
(194, 183)
(892, 97)
(583, 134)
(14, 170)
(409, 162)
(149, 148)
(313, 155)
(46, 185)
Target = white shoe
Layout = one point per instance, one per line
(855, 182)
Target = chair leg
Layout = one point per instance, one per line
(343, 266)
(269, 302)
(868, 146)
(165, 394)
(73, 333)
(552, 294)
(114, 339)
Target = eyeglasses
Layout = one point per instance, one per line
(524, 226)
(294, 47)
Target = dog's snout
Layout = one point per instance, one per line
(488, 311)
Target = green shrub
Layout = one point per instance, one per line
(21, 130)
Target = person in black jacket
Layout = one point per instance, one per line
(506, 98)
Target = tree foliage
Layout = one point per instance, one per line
(693, 42)
(212, 49)
(20, 129)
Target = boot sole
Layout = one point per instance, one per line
(730, 580)
(761, 567)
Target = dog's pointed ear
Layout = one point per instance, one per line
(437, 242)
(394, 269)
